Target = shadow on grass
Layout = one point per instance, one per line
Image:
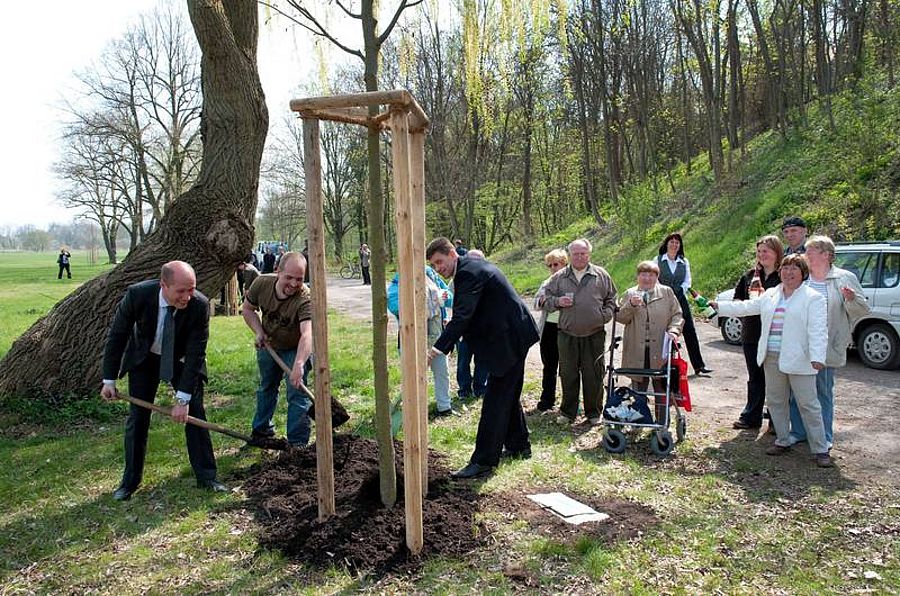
(95, 524)
(740, 461)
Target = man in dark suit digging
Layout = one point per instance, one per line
(159, 333)
(498, 328)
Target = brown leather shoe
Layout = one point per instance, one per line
(741, 425)
(823, 460)
(777, 450)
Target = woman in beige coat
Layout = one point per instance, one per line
(650, 312)
(845, 302)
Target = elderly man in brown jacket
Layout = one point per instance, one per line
(585, 296)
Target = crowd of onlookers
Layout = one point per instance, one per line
(796, 308)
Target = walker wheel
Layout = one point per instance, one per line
(661, 443)
(681, 428)
(614, 441)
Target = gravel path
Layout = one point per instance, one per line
(867, 401)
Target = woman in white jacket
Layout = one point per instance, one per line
(791, 350)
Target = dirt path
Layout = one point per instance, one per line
(867, 401)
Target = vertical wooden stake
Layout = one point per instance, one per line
(312, 164)
(231, 296)
(417, 214)
(411, 332)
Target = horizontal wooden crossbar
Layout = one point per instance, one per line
(350, 108)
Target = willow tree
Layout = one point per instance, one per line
(209, 226)
(506, 50)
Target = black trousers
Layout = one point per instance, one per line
(550, 358)
(502, 420)
(756, 388)
(367, 279)
(66, 267)
(142, 383)
(689, 333)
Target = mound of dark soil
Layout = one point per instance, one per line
(362, 534)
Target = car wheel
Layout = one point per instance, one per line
(732, 329)
(879, 347)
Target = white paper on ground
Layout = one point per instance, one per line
(567, 508)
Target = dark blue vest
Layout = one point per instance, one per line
(673, 280)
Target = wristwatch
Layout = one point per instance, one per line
(182, 401)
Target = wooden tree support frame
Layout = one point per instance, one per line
(407, 123)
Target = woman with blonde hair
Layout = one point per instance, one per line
(845, 301)
(762, 276)
(555, 260)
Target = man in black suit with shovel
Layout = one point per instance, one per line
(159, 333)
(498, 328)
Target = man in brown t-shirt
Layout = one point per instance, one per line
(286, 326)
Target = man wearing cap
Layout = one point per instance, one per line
(794, 231)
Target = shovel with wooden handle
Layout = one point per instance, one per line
(339, 414)
(262, 443)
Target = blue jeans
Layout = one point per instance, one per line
(825, 395)
(270, 375)
(467, 385)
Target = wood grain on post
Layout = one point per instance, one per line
(358, 116)
(410, 332)
(312, 164)
(418, 121)
(393, 97)
(417, 215)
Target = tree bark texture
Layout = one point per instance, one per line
(210, 226)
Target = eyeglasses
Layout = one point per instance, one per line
(554, 265)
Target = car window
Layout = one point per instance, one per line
(860, 264)
(890, 270)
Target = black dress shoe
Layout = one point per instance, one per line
(517, 454)
(122, 493)
(445, 413)
(703, 371)
(213, 485)
(472, 471)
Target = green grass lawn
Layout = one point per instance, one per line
(729, 519)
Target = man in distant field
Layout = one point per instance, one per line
(285, 326)
(794, 231)
(499, 329)
(159, 333)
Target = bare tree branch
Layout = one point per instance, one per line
(314, 26)
(387, 31)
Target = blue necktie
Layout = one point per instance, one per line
(167, 353)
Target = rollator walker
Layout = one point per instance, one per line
(619, 417)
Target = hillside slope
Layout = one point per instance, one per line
(843, 180)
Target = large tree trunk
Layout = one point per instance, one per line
(210, 226)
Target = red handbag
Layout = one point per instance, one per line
(683, 394)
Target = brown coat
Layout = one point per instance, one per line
(595, 299)
(664, 315)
